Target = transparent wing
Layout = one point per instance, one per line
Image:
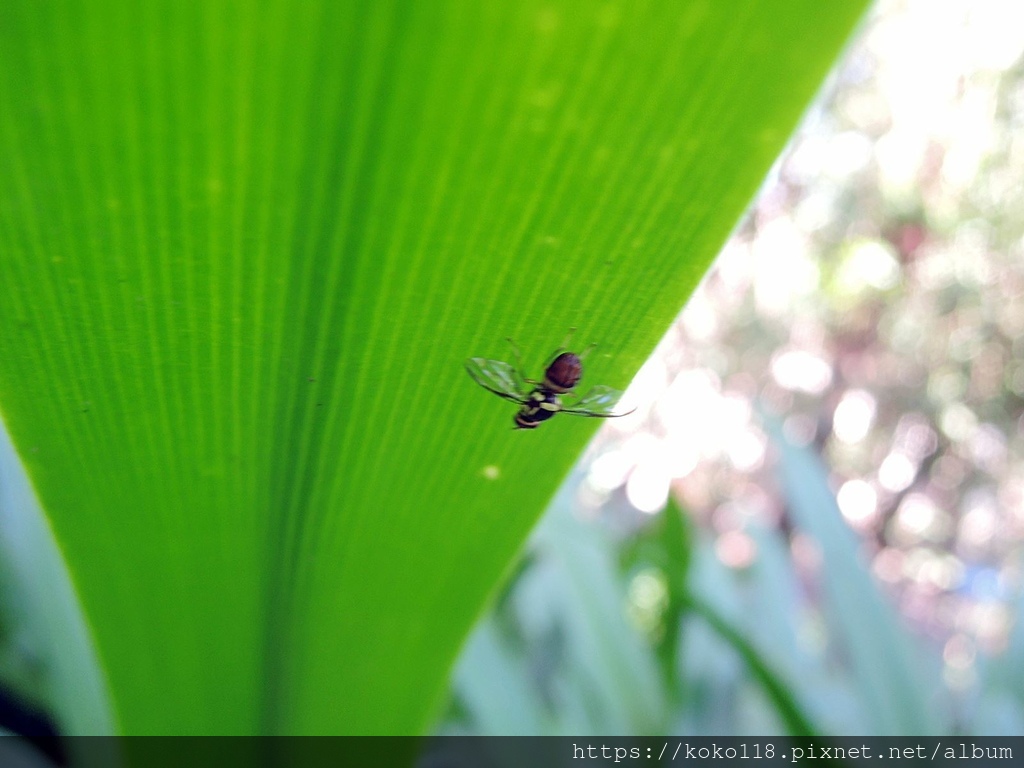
(497, 377)
(598, 403)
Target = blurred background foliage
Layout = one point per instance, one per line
(813, 524)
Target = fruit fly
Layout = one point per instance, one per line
(540, 400)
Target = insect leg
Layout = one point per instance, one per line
(568, 337)
(587, 351)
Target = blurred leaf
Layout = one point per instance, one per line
(245, 250)
(778, 621)
(609, 655)
(496, 688)
(666, 544)
(999, 710)
(774, 685)
(887, 667)
(50, 625)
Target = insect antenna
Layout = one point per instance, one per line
(568, 337)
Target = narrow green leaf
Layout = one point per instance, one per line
(775, 688)
(245, 249)
(611, 657)
(497, 688)
(890, 676)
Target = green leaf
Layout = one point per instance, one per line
(610, 657)
(245, 249)
(891, 677)
(743, 626)
(784, 702)
(496, 687)
(666, 544)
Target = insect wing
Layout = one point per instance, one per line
(497, 377)
(598, 402)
